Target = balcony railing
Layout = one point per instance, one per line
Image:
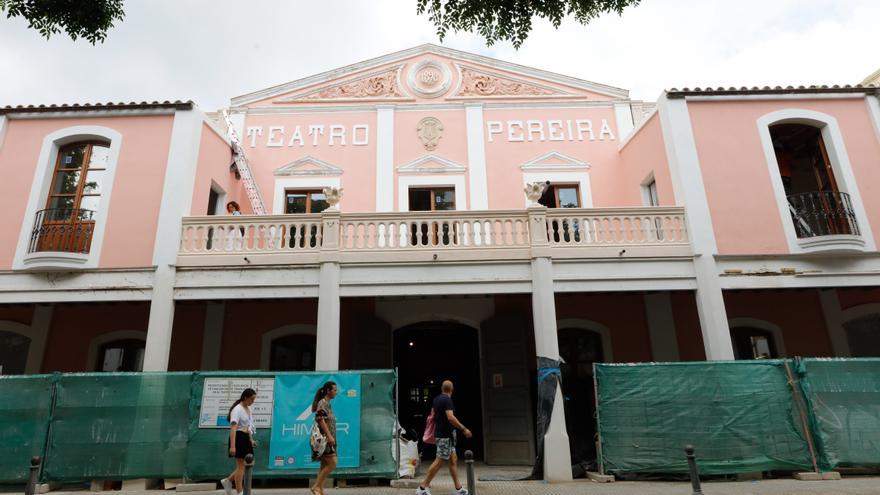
(822, 213)
(482, 235)
(66, 230)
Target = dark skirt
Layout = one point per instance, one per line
(243, 445)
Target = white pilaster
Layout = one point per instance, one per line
(180, 173)
(327, 344)
(687, 183)
(830, 302)
(476, 145)
(4, 123)
(237, 118)
(623, 116)
(873, 103)
(384, 158)
(661, 326)
(212, 336)
(39, 334)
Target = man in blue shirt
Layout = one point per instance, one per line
(445, 424)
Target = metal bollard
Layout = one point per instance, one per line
(31, 487)
(248, 474)
(692, 470)
(469, 463)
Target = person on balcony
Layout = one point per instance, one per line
(232, 208)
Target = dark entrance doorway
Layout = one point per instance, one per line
(428, 353)
(579, 349)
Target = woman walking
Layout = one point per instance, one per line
(326, 421)
(241, 438)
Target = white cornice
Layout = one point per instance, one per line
(423, 49)
(568, 162)
(294, 168)
(447, 166)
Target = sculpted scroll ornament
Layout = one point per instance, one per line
(475, 84)
(377, 86)
(534, 191)
(430, 130)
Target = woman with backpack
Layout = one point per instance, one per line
(241, 438)
(323, 441)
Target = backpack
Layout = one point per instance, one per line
(428, 436)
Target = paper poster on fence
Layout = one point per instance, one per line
(219, 394)
(293, 420)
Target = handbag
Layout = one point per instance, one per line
(317, 441)
(428, 436)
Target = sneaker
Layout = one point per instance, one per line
(227, 486)
(422, 491)
(461, 491)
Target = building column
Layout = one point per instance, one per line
(177, 192)
(329, 304)
(556, 453)
(212, 336)
(687, 182)
(661, 326)
(39, 333)
(624, 117)
(830, 302)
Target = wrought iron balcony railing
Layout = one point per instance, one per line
(822, 213)
(66, 230)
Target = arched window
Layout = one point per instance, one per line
(817, 205)
(121, 355)
(863, 335)
(68, 220)
(13, 353)
(293, 353)
(753, 343)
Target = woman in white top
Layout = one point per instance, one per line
(241, 438)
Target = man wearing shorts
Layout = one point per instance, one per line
(445, 424)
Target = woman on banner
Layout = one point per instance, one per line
(323, 441)
(241, 438)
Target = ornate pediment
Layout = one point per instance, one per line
(307, 165)
(477, 83)
(431, 164)
(383, 85)
(554, 160)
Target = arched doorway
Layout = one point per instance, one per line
(292, 353)
(13, 353)
(579, 349)
(863, 335)
(426, 354)
(753, 343)
(121, 355)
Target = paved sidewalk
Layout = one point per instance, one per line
(847, 486)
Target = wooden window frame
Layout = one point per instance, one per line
(565, 185)
(84, 170)
(434, 191)
(307, 192)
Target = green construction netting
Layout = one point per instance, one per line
(207, 453)
(844, 399)
(24, 423)
(119, 426)
(738, 415)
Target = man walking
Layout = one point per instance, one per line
(444, 422)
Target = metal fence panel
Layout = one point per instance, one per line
(24, 423)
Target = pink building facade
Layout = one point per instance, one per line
(450, 215)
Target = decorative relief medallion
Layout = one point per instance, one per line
(381, 85)
(430, 130)
(429, 79)
(474, 83)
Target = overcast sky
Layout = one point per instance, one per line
(212, 50)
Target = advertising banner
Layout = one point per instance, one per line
(293, 419)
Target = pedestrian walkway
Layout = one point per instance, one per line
(848, 486)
